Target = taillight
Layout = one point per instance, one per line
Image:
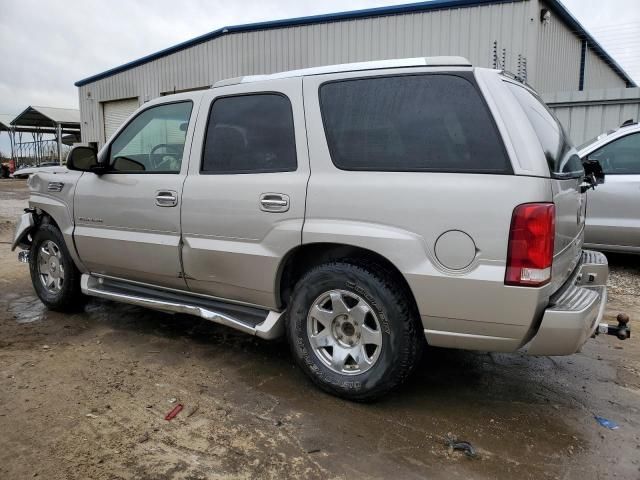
(530, 251)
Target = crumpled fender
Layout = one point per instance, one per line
(23, 227)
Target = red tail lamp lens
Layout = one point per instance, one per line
(530, 251)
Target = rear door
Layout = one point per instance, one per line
(613, 212)
(127, 221)
(244, 198)
(566, 175)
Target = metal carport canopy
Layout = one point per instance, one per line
(48, 120)
(32, 116)
(5, 122)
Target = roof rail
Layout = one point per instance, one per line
(513, 76)
(516, 78)
(444, 61)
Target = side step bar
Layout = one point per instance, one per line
(254, 321)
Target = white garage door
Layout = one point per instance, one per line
(115, 114)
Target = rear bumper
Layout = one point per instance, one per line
(575, 311)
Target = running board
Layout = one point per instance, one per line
(254, 321)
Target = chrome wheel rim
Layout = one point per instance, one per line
(344, 332)
(50, 266)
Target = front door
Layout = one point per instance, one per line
(244, 199)
(613, 212)
(128, 219)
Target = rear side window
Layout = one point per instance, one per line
(562, 157)
(250, 134)
(411, 123)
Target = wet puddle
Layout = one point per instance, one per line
(27, 309)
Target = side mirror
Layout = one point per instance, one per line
(83, 159)
(592, 168)
(593, 174)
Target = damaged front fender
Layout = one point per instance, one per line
(23, 227)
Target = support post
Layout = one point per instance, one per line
(583, 58)
(12, 142)
(59, 137)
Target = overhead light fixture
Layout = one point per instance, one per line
(545, 16)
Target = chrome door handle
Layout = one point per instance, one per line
(166, 198)
(274, 202)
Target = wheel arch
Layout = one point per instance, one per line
(302, 258)
(54, 212)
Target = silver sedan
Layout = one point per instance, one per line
(613, 208)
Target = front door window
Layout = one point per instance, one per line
(153, 142)
(620, 157)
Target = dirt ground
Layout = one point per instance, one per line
(84, 396)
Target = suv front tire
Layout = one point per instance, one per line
(54, 276)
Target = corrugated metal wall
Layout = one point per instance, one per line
(589, 113)
(466, 31)
(552, 53)
(558, 58)
(597, 74)
(559, 52)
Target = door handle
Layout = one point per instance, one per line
(166, 198)
(274, 202)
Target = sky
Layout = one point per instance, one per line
(46, 46)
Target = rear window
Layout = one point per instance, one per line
(562, 157)
(422, 123)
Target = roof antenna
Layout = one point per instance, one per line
(628, 122)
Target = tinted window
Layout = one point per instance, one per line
(559, 151)
(622, 156)
(153, 141)
(248, 134)
(410, 123)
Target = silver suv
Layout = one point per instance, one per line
(359, 209)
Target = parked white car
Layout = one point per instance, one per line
(613, 209)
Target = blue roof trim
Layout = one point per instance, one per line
(560, 10)
(354, 14)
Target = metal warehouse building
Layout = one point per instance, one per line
(538, 40)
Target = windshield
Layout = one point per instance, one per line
(561, 155)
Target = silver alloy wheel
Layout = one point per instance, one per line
(344, 332)
(50, 266)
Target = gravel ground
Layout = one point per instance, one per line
(84, 396)
(624, 276)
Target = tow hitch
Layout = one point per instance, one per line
(622, 330)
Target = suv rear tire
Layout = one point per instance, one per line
(54, 276)
(353, 330)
